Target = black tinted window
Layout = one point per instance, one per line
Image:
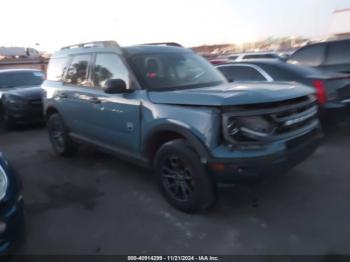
(57, 68)
(77, 72)
(289, 72)
(260, 56)
(339, 53)
(241, 73)
(109, 66)
(25, 78)
(177, 70)
(310, 55)
(233, 57)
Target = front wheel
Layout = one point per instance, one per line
(7, 120)
(60, 140)
(183, 180)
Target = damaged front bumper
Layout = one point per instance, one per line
(233, 165)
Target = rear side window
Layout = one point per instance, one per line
(233, 57)
(339, 53)
(77, 72)
(57, 68)
(241, 73)
(109, 66)
(261, 56)
(310, 55)
(289, 72)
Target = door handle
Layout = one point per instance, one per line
(94, 100)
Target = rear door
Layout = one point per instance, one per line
(76, 97)
(338, 57)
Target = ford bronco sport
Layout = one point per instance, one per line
(167, 108)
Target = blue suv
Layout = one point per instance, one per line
(167, 108)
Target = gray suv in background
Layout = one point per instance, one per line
(333, 56)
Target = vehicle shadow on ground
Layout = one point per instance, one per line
(247, 195)
(22, 128)
(336, 131)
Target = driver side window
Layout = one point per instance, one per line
(109, 66)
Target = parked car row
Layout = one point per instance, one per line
(331, 56)
(332, 89)
(20, 96)
(164, 107)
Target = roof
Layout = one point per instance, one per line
(151, 49)
(342, 10)
(19, 70)
(324, 43)
(258, 61)
(129, 50)
(253, 53)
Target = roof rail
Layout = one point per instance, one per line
(165, 43)
(93, 44)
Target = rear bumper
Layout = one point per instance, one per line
(11, 225)
(234, 170)
(334, 111)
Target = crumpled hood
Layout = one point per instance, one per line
(232, 94)
(28, 93)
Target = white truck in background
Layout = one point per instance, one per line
(19, 52)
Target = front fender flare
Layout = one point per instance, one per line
(182, 129)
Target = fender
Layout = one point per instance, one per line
(181, 129)
(48, 107)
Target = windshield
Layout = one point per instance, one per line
(165, 71)
(24, 78)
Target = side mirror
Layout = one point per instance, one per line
(115, 86)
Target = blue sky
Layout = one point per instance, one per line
(55, 23)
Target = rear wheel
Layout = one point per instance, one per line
(60, 140)
(183, 180)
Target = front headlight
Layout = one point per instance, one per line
(3, 183)
(247, 129)
(16, 101)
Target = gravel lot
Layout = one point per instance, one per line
(94, 203)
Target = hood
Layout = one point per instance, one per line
(232, 94)
(28, 93)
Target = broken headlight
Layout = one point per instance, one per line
(245, 129)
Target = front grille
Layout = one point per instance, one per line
(294, 119)
(36, 103)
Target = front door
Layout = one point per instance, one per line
(116, 116)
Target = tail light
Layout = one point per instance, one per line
(320, 87)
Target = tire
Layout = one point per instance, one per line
(182, 179)
(7, 121)
(61, 142)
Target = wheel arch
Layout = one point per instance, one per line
(50, 110)
(166, 132)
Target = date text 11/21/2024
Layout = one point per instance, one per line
(173, 258)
